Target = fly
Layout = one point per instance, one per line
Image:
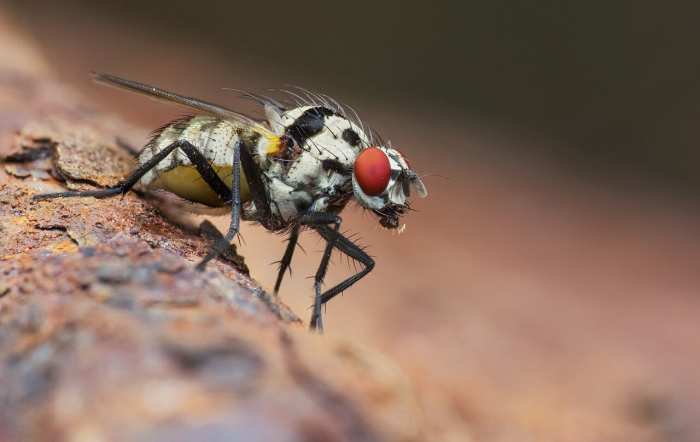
(296, 170)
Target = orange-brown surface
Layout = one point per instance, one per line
(524, 304)
(108, 333)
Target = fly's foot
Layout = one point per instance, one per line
(226, 251)
(316, 323)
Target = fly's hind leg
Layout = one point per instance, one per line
(196, 157)
(205, 170)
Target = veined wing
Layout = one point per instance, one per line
(163, 95)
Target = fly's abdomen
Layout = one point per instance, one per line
(215, 138)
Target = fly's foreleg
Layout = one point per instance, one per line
(321, 220)
(343, 244)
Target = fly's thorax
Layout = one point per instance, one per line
(324, 132)
(298, 174)
(313, 136)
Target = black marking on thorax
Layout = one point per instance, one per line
(308, 124)
(336, 166)
(351, 137)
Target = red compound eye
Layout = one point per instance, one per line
(372, 171)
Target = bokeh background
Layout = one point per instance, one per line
(548, 287)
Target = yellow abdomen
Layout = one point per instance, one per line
(187, 183)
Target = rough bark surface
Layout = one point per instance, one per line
(108, 333)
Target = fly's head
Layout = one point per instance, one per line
(382, 181)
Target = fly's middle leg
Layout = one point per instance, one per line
(211, 232)
(224, 243)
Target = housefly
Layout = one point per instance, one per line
(296, 170)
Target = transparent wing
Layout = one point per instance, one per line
(163, 95)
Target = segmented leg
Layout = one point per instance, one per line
(225, 243)
(334, 239)
(195, 156)
(287, 258)
(258, 192)
(316, 317)
(205, 170)
(353, 251)
(242, 158)
(211, 232)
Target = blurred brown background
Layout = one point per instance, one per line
(548, 287)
